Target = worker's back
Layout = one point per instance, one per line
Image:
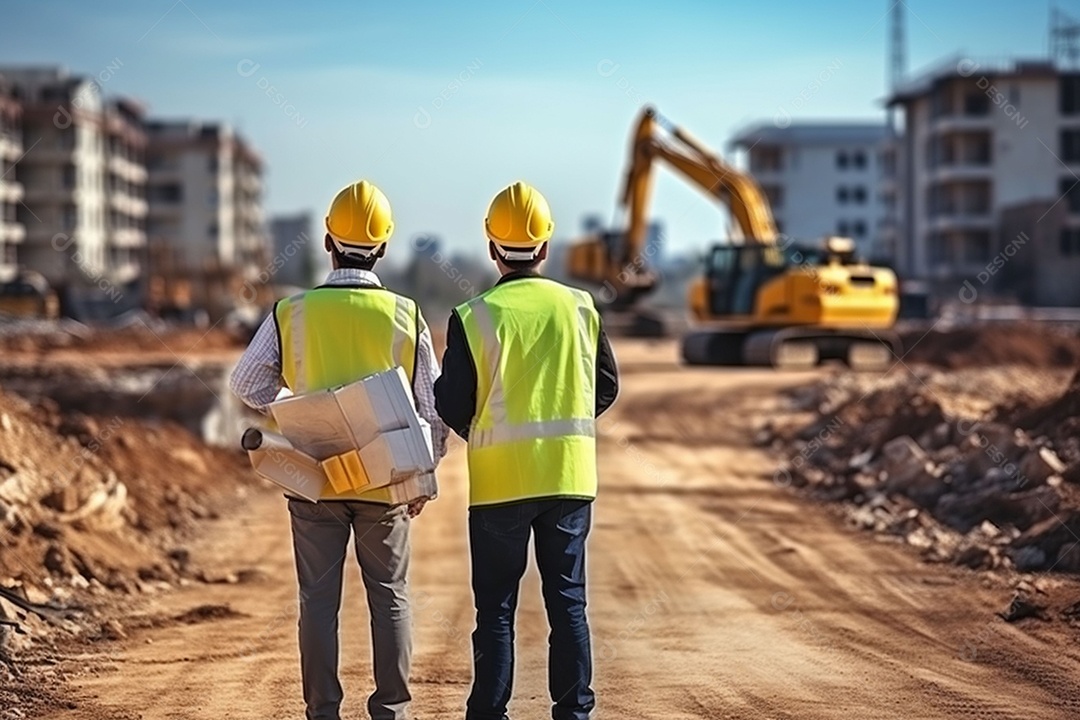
(534, 343)
(335, 335)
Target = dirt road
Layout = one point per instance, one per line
(714, 594)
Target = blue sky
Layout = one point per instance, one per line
(442, 104)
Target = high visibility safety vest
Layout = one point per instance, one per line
(533, 342)
(335, 335)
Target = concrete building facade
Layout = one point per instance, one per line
(821, 178)
(62, 173)
(990, 195)
(125, 188)
(205, 195)
(12, 233)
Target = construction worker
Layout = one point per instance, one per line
(345, 329)
(527, 369)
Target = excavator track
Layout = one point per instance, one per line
(792, 348)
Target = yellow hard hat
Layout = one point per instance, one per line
(519, 221)
(359, 220)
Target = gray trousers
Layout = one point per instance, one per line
(321, 534)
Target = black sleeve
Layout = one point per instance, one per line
(455, 389)
(607, 374)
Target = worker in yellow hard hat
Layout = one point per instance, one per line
(341, 331)
(527, 369)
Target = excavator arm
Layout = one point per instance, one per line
(703, 168)
(618, 260)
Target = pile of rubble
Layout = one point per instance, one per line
(986, 345)
(981, 487)
(94, 508)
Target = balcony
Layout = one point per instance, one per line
(12, 233)
(127, 237)
(124, 272)
(10, 147)
(960, 123)
(128, 169)
(960, 171)
(11, 192)
(128, 204)
(950, 222)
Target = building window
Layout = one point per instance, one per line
(775, 195)
(1069, 241)
(842, 228)
(766, 159)
(940, 249)
(858, 229)
(68, 180)
(1070, 145)
(1069, 94)
(842, 195)
(842, 160)
(858, 194)
(858, 160)
(1069, 189)
(171, 192)
(212, 231)
(977, 247)
(976, 104)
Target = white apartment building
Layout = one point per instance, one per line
(821, 178)
(12, 233)
(989, 194)
(62, 173)
(125, 188)
(205, 195)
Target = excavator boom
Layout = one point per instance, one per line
(617, 261)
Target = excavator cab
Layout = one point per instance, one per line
(735, 272)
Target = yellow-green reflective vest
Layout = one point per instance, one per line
(533, 342)
(336, 335)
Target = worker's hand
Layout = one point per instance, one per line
(416, 507)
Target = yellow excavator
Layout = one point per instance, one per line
(763, 299)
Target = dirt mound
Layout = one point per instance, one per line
(92, 504)
(992, 489)
(998, 344)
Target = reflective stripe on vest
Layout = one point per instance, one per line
(534, 344)
(529, 431)
(332, 336)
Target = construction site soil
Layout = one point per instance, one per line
(1028, 344)
(93, 510)
(767, 545)
(131, 341)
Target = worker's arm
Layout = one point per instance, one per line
(607, 374)
(424, 379)
(455, 390)
(256, 379)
